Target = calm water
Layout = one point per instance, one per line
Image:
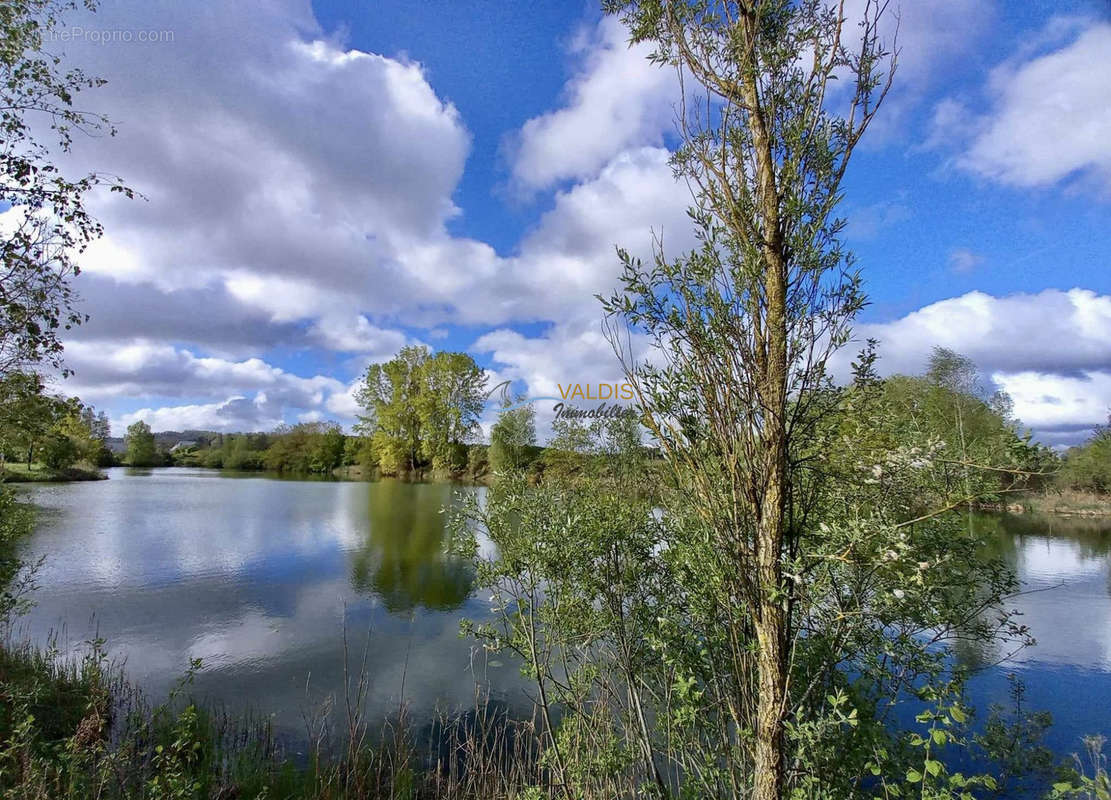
(258, 576)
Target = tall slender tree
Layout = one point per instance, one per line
(777, 95)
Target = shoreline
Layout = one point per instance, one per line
(1065, 503)
(44, 475)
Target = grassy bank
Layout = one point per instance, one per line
(36, 473)
(1067, 501)
(77, 729)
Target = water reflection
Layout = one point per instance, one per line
(1064, 569)
(405, 558)
(260, 578)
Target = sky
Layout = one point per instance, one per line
(323, 183)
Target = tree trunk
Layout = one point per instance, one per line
(771, 618)
(771, 662)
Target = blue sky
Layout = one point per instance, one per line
(325, 183)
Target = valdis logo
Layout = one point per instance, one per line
(564, 408)
(602, 391)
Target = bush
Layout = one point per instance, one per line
(58, 451)
(478, 461)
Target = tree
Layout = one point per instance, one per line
(389, 398)
(58, 451)
(328, 450)
(513, 437)
(82, 444)
(449, 404)
(747, 321)
(141, 450)
(1088, 466)
(50, 225)
(421, 408)
(27, 413)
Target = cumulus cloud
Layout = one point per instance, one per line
(1050, 119)
(617, 99)
(269, 155)
(246, 395)
(299, 194)
(235, 414)
(1051, 351)
(208, 316)
(1051, 331)
(571, 254)
(1062, 409)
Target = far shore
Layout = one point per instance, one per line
(1063, 503)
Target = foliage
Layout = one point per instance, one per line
(71, 730)
(1087, 467)
(478, 460)
(16, 519)
(513, 437)
(27, 413)
(141, 449)
(420, 409)
(449, 405)
(746, 631)
(58, 451)
(308, 447)
(50, 224)
(1090, 779)
(55, 429)
(972, 428)
(742, 328)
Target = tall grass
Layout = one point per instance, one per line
(76, 728)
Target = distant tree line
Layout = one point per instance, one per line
(305, 448)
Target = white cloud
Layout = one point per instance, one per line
(236, 413)
(275, 163)
(1051, 119)
(236, 395)
(356, 334)
(1051, 351)
(616, 100)
(571, 254)
(298, 194)
(961, 259)
(1060, 407)
(1051, 331)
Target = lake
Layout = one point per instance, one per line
(259, 578)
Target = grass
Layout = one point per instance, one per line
(1068, 501)
(76, 729)
(22, 473)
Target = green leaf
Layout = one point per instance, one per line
(958, 714)
(913, 776)
(939, 736)
(933, 767)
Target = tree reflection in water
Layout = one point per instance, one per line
(404, 557)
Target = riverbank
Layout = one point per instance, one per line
(76, 729)
(20, 473)
(1067, 502)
